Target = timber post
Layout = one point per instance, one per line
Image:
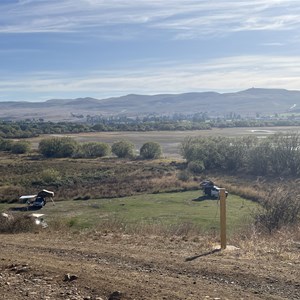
(223, 218)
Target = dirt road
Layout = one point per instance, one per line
(73, 266)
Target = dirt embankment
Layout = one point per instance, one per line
(49, 266)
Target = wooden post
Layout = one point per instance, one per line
(223, 218)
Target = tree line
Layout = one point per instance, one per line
(276, 155)
(33, 128)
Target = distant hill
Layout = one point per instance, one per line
(248, 102)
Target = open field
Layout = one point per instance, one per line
(170, 140)
(149, 210)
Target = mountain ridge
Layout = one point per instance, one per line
(246, 102)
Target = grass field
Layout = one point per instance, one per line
(170, 140)
(166, 209)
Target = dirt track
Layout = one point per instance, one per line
(34, 266)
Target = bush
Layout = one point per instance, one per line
(11, 193)
(50, 176)
(20, 147)
(94, 149)
(184, 175)
(280, 208)
(150, 150)
(5, 145)
(196, 167)
(123, 149)
(16, 224)
(58, 147)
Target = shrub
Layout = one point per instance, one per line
(5, 145)
(58, 147)
(259, 158)
(196, 167)
(280, 208)
(94, 149)
(150, 150)
(184, 175)
(11, 193)
(123, 149)
(50, 176)
(20, 147)
(17, 223)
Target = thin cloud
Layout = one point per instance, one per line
(223, 74)
(106, 35)
(273, 44)
(181, 18)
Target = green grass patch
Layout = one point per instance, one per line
(165, 209)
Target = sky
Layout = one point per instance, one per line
(62, 49)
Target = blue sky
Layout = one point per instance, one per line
(103, 48)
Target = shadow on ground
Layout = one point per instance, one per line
(203, 198)
(203, 254)
(25, 208)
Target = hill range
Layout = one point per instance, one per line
(246, 103)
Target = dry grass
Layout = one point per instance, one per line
(10, 193)
(185, 232)
(17, 223)
(283, 244)
(92, 178)
(248, 188)
(249, 192)
(279, 208)
(163, 184)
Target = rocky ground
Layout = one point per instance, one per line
(73, 266)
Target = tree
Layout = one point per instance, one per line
(236, 151)
(209, 150)
(258, 159)
(150, 150)
(187, 148)
(285, 153)
(20, 147)
(94, 149)
(196, 167)
(123, 149)
(58, 147)
(5, 145)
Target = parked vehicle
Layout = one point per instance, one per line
(215, 192)
(39, 200)
(210, 189)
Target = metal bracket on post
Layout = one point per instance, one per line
(223, 218)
